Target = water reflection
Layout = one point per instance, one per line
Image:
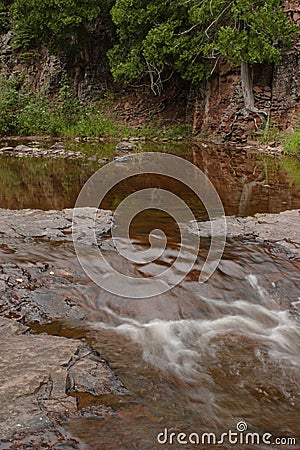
(246, 182)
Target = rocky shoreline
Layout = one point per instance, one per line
(282, 229)
(57, 150)
(36, 145)
(53, 225)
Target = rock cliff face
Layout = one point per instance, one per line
(38, 68)
(89, 70)
(277, 91)
(212, 108)
(218, 105)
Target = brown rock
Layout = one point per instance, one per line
(33, 391)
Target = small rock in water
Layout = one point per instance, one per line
(23, 148)
(58, 146)
(125, 146)
(134, 139)
(122, 159)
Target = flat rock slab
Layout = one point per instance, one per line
(38, 374)
(54, 225)
(44, 286)
(38, 292)
(281, 229)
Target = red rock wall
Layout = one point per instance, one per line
(276, 88)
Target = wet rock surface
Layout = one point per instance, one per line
(54, 225)
(51, 385)
(38, 375)
(35, 293)
(89, 373)
(40, 289)
(46, 380)
(281, 229)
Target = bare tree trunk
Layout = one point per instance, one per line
(247, 86)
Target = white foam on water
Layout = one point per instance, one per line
(252, 279)
(195, 351)
(180, 345)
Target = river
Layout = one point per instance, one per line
(200, 358)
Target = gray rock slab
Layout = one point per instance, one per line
(281, 229)
(54, 225)
(33, 371)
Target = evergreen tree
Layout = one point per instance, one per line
(55, 23)
(189, 37)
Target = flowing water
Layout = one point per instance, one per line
(199, 358)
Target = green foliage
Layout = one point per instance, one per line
(162, 36)
(4, 16)
(254, 32)
(91, 122)
(56, 23)
(156, 37)
(171, 132)
(291, 167)
(269, 132)
(291, 143)
(10, 101)
(26, 113)
(36, 117)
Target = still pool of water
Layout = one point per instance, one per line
(246, 182)
(199, 358)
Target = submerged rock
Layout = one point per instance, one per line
(6, 149)
(24, 148)
(42, 289)
(58, 146)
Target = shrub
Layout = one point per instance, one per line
(291, 143)
(10, 100)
